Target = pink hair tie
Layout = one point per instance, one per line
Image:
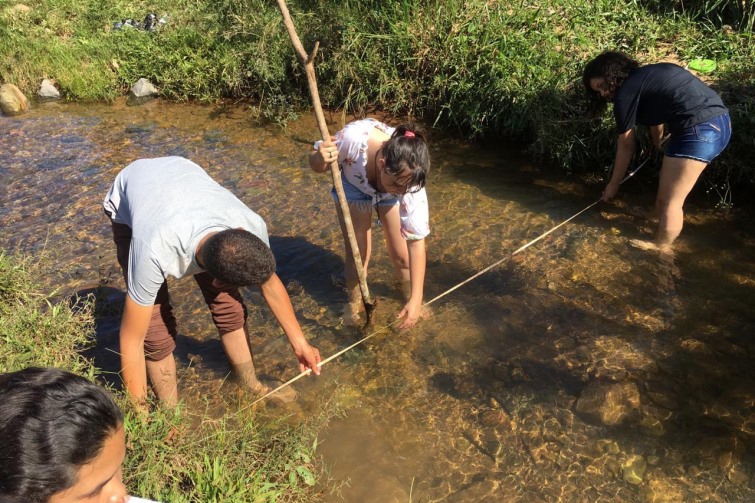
(409, 134)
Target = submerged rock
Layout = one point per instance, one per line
(634, 469)
(12, 100)
(494, 417)
(662, 491)
(738, 475)
(609, 403)
(142, 92)
(47, 91)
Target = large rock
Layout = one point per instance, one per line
(142, 92)
(12, 101)
(609, 403)
(48, 91)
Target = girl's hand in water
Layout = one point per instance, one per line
(412, 311)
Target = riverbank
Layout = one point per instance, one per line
(188, 455)
(489, 70)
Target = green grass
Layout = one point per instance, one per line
(240, 458)
(505, 69)
(34, 331)
(173, 456)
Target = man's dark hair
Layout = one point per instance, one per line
(52, 422)
(238, 257)
(407, 150)
(612, 66)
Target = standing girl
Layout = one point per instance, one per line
(386, 168)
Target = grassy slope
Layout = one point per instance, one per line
(173, 456)
(506, 68)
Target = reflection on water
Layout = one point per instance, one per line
(580, 370)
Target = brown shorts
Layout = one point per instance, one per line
(227, 308)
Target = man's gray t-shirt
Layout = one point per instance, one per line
(170, 203)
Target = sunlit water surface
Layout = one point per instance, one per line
(580, 370)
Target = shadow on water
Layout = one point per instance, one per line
(581, 369)
(108, 306)
(303, 265)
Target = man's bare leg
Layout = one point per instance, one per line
(162, 376)
(236, 345)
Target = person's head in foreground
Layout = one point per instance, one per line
(61, 438)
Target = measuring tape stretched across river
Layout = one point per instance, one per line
(480, 273)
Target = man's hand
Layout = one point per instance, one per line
(309, 358)
(277, 299)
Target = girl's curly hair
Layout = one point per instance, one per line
(612, 66)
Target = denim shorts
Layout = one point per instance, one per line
(354, 195)
(702, 142)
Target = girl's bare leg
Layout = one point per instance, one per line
(361, 219)
(678, 176)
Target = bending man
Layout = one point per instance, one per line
(169, 218)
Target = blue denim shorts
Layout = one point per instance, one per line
(702, 142)
(354, 195)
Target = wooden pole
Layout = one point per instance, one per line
(308, 62)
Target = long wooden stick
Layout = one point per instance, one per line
(308, 62)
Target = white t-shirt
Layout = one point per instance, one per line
(170, 203)
(352, 159)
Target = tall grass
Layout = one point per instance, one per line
(173, 456)
(483, 69)
(34, 331)
(740, 14)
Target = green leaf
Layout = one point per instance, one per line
(702, 65)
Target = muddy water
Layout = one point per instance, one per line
(580, 370)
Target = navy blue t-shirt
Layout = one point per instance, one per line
(664, 93)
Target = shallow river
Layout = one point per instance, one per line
(582, 369)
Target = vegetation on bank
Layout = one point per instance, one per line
(181, 456)
(486, 69)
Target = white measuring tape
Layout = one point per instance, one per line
(480, 273)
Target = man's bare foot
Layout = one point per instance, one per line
(283, 395)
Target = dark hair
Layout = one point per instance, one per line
(408, 152)
(238, 257)
(52, 422)
(612, 66)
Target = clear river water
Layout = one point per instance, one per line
(581, 369)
